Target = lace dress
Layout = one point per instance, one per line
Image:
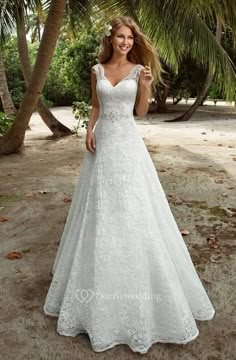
(122, 273)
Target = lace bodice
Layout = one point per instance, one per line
(117, 101)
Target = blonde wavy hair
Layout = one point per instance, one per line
(143, 51)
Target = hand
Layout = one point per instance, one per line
(146, 77)
(90, 141)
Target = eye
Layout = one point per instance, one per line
(130, 37)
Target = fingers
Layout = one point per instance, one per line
(93, 145)
(90, 144)
(147, 72)
(148, 67)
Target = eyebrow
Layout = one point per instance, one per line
(124, 34)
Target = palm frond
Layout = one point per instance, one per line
(188, 34)
(9, 10)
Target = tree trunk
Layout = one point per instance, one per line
(5, 95)
(187, 115)
(52, 123)
(13, 140)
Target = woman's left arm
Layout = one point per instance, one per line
(144, 91)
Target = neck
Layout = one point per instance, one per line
(118, 59)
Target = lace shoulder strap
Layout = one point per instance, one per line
(137, 71)
(96, 69)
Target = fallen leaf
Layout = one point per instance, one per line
(2, 207)
(212, 260)
(14, 255)
(207, 281)
(162, 170)
(215, 258)
(189, 204)
(229, 212)
(219, 181)
(3, 219)
(230, 187)
(203, 133)
(66, 200)
(212, 241)
(234, 158)
(219, 144)
(178, 201)
(231, 146)
(184, 232)
(32, 194)
(42, 192)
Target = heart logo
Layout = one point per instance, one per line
(84, 295)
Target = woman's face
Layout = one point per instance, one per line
(123, 40)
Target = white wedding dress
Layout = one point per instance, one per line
(123, 274)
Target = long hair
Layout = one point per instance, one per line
(143, 51)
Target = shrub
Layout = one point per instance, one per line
(5, 122)
(81, 111)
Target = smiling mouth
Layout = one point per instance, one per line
(124, 47)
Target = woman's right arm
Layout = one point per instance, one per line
(90, 138)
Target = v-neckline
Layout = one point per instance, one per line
(103, 73)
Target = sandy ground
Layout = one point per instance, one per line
(195, 155)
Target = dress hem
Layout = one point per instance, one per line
(183, 342)
(112, 345)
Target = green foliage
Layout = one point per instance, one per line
(189, 80)
(214, 92)
(15, 79)
(5, 123)
(81, 111)
(70, 71)
(69, 75)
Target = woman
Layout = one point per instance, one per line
(123, 274)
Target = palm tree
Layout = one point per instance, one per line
(49, 119)
(5, 95)
(36, 21)
(14, 138)
(203, 93)
(16, 14)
